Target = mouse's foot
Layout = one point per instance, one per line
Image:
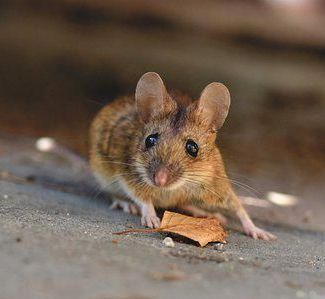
(251, 229)
(258, 233)
(127, 207)
(149, 217)
(200, 213)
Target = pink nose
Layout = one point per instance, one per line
(161, 176)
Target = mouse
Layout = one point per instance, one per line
(159, 149)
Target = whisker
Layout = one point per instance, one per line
(244, 186)
(199, 183)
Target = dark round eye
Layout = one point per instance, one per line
(192, 148)
(151, 140)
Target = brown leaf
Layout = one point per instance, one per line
(202, 230)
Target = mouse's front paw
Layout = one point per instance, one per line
(151, 221)
(148, 216)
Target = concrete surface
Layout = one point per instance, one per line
(56, 242)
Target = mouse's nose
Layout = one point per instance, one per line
(161, 176)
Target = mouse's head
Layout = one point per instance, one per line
(177, 142)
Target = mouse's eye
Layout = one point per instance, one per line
(192, 148)
(151, 140)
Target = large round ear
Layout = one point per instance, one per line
(213, 105)
(151, 97)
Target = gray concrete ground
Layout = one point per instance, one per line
(56, 242)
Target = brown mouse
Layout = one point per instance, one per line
(157, 149)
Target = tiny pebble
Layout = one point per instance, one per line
(6, 196)
(219, 246)
(168, 242)
(241, 258)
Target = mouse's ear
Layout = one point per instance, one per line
(151, 97)
(213, 105)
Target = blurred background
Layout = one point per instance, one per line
(61, 60)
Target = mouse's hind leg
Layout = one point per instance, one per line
(119, 200)
(147, 211)
(251, 229)
(228, 201)
(127, 207)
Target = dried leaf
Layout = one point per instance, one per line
(202, 230)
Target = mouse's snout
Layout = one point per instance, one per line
(161, 176)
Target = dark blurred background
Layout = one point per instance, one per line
(60, 59)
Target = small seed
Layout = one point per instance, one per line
(219, 246)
